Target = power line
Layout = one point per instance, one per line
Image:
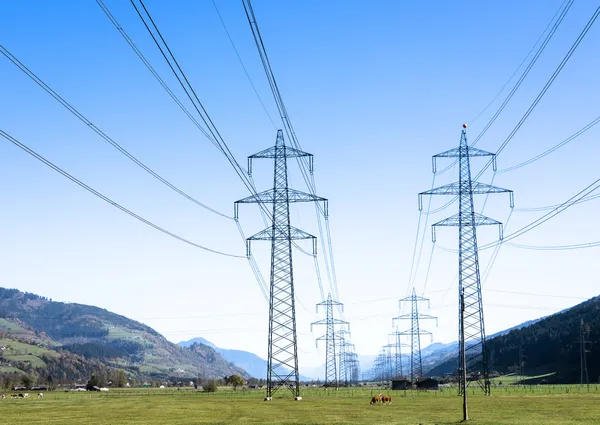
(443, 207)
(492, 261)
(551, 207)
(575, 199)
(330, 246)
(534, 294)
(519, 67)
(428, 267)
(544, 89)
(540, 50)
(251, 260)
(257, 313)
(193, 97)
(307, 175)
(556, 247)
(264, 288)
(541, 220)
(156, 75)
(122, 150)
(262, 51)
(106, 199)
(242, 64)
(549, 83)
(414, 278)
(552, 149)
(414, 255)
(246, 179)
(565, 8)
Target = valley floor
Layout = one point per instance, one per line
(151, 406)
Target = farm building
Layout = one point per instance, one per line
(401, 384)
(428, 384)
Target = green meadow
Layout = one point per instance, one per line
(552, 405)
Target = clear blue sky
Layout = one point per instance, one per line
(373, 89)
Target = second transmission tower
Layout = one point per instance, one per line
(415, 332)
(398, 344)
(331, 338)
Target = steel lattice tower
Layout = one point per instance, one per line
(472, 351)
(282, 363)
(398, 344)
(378, 367)
(391, 361)
(344, 373)
(354, 367)
(415, 332)
(331, 339)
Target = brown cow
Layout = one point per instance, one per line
(375, 399)
(386, 399)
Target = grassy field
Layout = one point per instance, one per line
(152, 406)
(13, 328)
(515, 379)
(19, 352)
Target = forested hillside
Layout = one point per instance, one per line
(40, 336)
(549, 345)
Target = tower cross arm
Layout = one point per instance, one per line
(454, 189)
(414, 297)
(330, 321)
(272, 152)
(480, 220)
(267, 234)
(456, 152)
(272, 195)
(402, 316)
(411, 333)
(343, 342)
(330, 302)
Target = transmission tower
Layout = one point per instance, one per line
(383, 366)
(354, 367)
(584, 371)
(282, 363)
(472, 331)
(344, 345)
(331, 339)
(391, 361)
(379, 367)
(415, 332)
(398, 344)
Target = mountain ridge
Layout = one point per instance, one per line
(550, 345)
(255, 365)
(98, 336)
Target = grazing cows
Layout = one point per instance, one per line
(383, 399)
(25, 395)
(13, 396)
(40, 395)
(3, 395)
